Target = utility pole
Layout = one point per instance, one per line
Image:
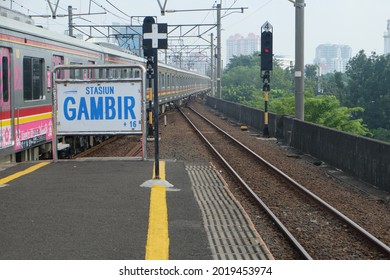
(70, 20)
(212, 66)
(299, 59)
(219, 60)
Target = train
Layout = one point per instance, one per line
(28, 54)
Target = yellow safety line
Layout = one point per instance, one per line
(157, 244)
(22, 173)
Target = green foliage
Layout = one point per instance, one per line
(244, 60)
(369, 87)
(242, 75)
(326, 110)
(240, 93)
(381, 134)
(283, 105)
(242, 83)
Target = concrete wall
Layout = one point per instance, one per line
(359, 156)
(246, 115)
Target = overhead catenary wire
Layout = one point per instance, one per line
(108, 11)
(251, 14)
(115, 7)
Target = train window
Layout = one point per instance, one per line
(33, 78)
(159, 80)
(5, 79)
(162, 80)
(168, 81)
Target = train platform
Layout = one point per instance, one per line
(97, 209)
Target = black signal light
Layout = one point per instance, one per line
(266, 51)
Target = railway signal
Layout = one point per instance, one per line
(155, 36)
(266, 67)
(266, 47)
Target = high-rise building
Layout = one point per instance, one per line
(332, 58)
(238, 45)
(387, 38)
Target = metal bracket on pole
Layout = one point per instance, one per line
(162, 7)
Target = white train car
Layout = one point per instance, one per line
(28, 54)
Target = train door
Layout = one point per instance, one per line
(6, 137)
(58, 60)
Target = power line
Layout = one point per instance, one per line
(101, 6)
(235, 1)
(258, 9)
(117, 9)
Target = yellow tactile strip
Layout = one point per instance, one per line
(231, 234)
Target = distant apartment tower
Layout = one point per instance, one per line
(387, 38)
(332, 58)
(238, 45)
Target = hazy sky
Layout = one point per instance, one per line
(358, 23)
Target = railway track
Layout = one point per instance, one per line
(116, 146)
(307, 221)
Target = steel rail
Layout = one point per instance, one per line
(282, 227)
(382, 246)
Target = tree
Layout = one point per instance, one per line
(243, 60)
(369, 87)
(326, 110)
(242, 83)
(334, 84)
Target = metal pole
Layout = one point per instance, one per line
(266, 89)
(156, 147)
(54, 117)
(299, 59)
(70, 20)
(212, 66)
(219, 62)
(149, 75)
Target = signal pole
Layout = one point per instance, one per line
(266, 67)
(155, 36)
